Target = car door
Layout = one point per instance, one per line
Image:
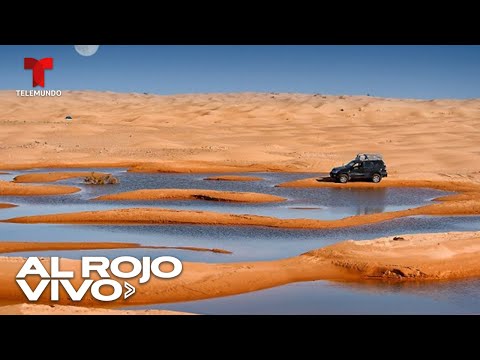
(368, 169)
(358, 171)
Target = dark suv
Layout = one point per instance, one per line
(364, 167)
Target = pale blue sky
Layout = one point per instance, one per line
(389, 71)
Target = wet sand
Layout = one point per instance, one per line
(234, 178)
(53, 176)
(465, 202)
(6, 206)
(13, 189)
(32, 309)
(12, 247)
(252, 132)
(193, 194)
(416, 257)
(420, 257)
(457, 186)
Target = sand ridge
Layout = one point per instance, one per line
(192, 194)
(15, 246)
(6, 206)
(466, 202)
(407, 257)
(53, 176)
(419, 257)
(10, 188)
(445, 185)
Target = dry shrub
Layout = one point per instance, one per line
(100, 179)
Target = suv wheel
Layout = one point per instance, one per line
(376, 178)
(343, 178)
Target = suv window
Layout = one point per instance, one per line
(368, 165)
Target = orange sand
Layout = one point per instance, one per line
(192, 194)
(11, 247)
(9, 188)
(234, 178)
(240, 132)
(419, 257)
(6, 206)
(253, 132)
(460, 186)
(32, 309)
(36, 309)
(467, 202)
(52, 176)
(411, 257)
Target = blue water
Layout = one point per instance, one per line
(246, 243)
(326, 204)
(323, 297)
(257, 243)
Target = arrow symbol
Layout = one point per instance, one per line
(130, 290)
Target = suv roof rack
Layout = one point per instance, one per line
(363, 157)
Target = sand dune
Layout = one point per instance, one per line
(420, 139)
(433, 141)
(192, 194)
(9, 188)
(234, 178)
(466, 202)
(52, 176)
(417, 257)
(420, 257)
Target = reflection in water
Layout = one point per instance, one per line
(248, 243)
(260, 243)
(313, 203)
(324, 297)
(369, 201)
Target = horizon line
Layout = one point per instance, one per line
(271, 93)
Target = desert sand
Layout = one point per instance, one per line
(465, 202)
(234, 178)
(15, 246)
(6, 206)
(53, 176)
(434, 142)
(420, 139)
(445, 185)
(420, 257)
(11, 247)
(192, 194)
(33, 309)
(9, 188)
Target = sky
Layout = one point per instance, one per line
(423, 72)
